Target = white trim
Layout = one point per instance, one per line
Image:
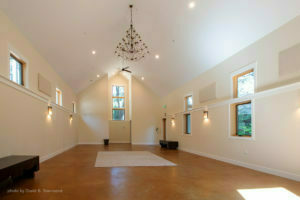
(51, 155)
(264, 169)
(29, 92)
(89, 143)
(145, 143)
(258, 95)
(119, 142)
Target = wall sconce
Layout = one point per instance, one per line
(71, 118)
(173, 121)
(205, 114)
(50, 111)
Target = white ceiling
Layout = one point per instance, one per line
(189, 41)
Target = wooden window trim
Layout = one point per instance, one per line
(23, 65)
(118, 97)
(236, 118)
(235, 83)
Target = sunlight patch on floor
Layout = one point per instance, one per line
(278, 193)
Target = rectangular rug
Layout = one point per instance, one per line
(129, 159)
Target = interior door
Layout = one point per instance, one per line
(164, 129)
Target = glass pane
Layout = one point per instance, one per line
(118, 91)
(245, 85)
(118, 114)
(189, 103)
(244, 125)
(15, 71)
(118, 103)
(188, 124)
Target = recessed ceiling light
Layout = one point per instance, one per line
(192, 4)
(98, 75)
(143, 78)
(93, 52)
(156, 56)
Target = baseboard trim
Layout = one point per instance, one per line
(267, 170)
(144, 143)
(120, 142)
(47, 157)
(89, 143)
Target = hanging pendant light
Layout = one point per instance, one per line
(131, 47)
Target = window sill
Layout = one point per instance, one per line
(242, 138)
(184, 134)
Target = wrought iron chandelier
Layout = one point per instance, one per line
(132, 48)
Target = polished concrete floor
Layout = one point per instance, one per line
(72, 176)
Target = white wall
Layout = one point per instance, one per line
(276, 147)
(119, 131)
(93, 108)
(145, 114)
(95, 104)
(24, 126)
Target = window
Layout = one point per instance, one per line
(243, 119)
(187, 124)
(58, 97)
(16, 71)
(118, 103)
(243, 84)
(74, 107)
(188, 103)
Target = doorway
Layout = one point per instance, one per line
(164, 129)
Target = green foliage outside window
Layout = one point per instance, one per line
(244, 125)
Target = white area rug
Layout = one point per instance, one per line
(129, 159)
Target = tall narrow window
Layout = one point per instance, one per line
(189, 103)
(74, 107)
(16, 71)
(118, 103)
(243, 84)
(187, 124)
(58, 97)
(243, 119)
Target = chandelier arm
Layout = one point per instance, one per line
(132, 47)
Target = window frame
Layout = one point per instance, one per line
(232, 131)
(236, 118)
(23, 66)
(112, 102)
(185, 124)
(186, 103)
(235, 75)
(74, 107)
(57, 90)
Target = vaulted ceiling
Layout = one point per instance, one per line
(189, 41)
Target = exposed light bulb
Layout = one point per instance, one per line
(143, 78)
(156, 56)
(98, 75)
(93, 52)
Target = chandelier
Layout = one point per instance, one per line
(132, 48)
